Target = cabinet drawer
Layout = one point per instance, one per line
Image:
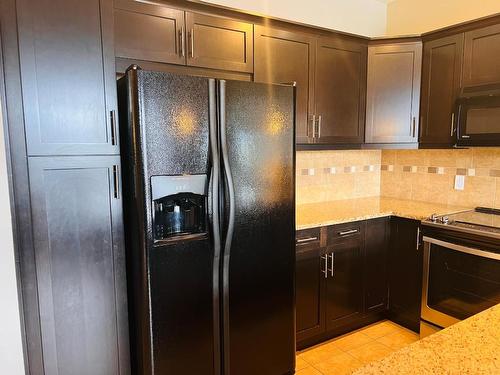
(342, 232)
(307, 239)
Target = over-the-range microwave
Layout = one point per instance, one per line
(477, 115)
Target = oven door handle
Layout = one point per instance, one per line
(463, 249)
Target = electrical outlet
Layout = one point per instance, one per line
(459, 182)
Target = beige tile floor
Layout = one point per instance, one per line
(347, 353)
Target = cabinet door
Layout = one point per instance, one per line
(482, 56)
(285, 57)
(149, 32)
(219, 43)
(344, 284)
(309, 278)
(68, 76)
(393, 93)
(375, 264)
(340, 91)
(405, 273)
(77, 227)
(442, 71)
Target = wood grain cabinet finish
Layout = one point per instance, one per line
(340, 91)
(393, 93)
(441, 81)
(482, 56)
(219, 43)
(68, 76)
(286, 57)
(149, 32)
(80, 264)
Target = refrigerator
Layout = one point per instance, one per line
(208, 171)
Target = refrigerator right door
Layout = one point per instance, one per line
(259, 268)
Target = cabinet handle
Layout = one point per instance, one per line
(325, 271)
(116, 182)
(319, 126)
(348, 232)
(452, 131)
(313, 123)
(418, 238)
(182, 41)
(308, 239)
(113, 127)
(332, 256)
(414, 127)
(191, 41)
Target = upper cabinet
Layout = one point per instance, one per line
(159, 34)
(441, 76)
(340, 91)
(286, 57)
(68, 76)
(482, 56)
(393, 93)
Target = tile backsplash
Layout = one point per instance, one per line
(334, 175)
(423, 175)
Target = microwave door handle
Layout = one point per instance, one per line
(463, 249)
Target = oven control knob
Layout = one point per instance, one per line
(434, 218)
(445, 220)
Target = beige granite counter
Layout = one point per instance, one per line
(470, 347)
(327, 213)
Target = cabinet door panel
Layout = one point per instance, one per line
(344, 285)
(219, 43)
(285, 57)
(79, 250)
(442, 68)
(68, 76)
(482, 56)
(393, 93)
(340, 91)
(149, 32)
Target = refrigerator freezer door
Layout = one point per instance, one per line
(258, 270)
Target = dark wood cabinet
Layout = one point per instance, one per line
(309, 277)
(80, 264)
(405, 273)
(393, 93)
(441, 81)
(376, 251)
(285, 57)
(482, 56)
(149, 32)
(344, 283)
(68, 76)
(340, 91)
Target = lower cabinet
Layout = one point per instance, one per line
(405, 273)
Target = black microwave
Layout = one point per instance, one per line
(477, 116)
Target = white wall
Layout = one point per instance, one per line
(417, 16)
(363, 17)
(11, 352)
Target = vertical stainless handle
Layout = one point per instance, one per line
(332, 256)
(319, 126)
(112, 116)
(116, 182)
(313, 123)
(414, 127)
(182, 41)
(325, 271)
(191, 41)
(452, 131)
(418, 238)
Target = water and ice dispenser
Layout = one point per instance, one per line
(179, 206)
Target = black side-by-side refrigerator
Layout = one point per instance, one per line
(209, 202)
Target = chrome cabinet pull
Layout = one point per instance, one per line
(313, 123)
(414, 127)
(452, 131)
(418, 238)
(332, 257)
(319, 126)
(191, 40)
(113, 127)
(182, 42)
(308, 239)
(325, 271)
(466, 136)
(116, 182)
(347, 232)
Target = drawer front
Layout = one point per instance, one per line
(307, 239)
(342, 232)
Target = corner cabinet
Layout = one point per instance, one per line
(393, 93)
(441, 82)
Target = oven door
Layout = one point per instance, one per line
(458, 281)
(478, 121)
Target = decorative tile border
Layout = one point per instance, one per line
(339, 170)
(471, 172)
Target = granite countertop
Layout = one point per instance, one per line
(471, 346)
(343, 211)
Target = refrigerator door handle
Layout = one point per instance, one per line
(214, 183)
